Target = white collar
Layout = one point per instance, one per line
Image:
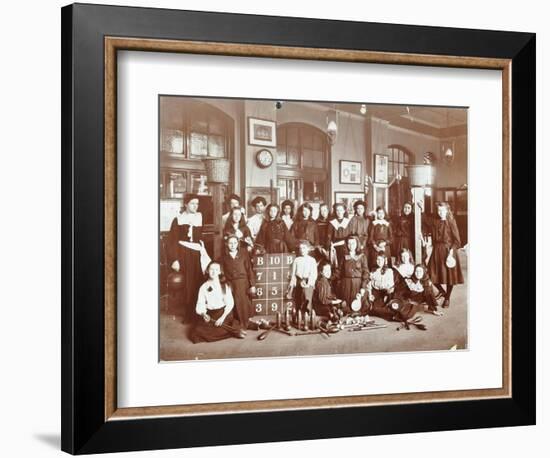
(355, 258)
(405, 269)
(193, 219)
(381, 221)
(337, 224)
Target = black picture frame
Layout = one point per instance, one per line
(85, 428)
(343, 180)
(253, 140)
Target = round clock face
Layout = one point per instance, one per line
(264, 158)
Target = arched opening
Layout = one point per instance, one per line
(191, 131)
(303, 158)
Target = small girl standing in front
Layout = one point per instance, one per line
(303, 277)
(214, 306)
(354, 273)
(238, 271)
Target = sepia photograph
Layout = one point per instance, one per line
(291, 228)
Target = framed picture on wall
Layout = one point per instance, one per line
(381, 168)
(262, 132)
(348, 199)
(120, 389)
(350, 172)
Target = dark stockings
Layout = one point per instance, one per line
(441, 290)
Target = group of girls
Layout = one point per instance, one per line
(352, 259)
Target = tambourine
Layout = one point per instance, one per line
(450, 262)
(356, 305)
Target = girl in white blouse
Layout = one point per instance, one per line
(303, 277)
(382, 282)
(214, 306)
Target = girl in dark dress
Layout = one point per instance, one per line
(444, 265)
(213, 309)
(354, 274)
(236, 225)
(338, 230)
(419, 289)
(273, 235)
(185, 247)
(287, 210)
(322, 231)
(403, 230)
(237, 269)
(325, 301)
(359, 224)
(304, 228)
(380, 238)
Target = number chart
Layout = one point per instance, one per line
(272, 276)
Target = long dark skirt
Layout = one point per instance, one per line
(190, 266)
(439, 273)
(400, 242)
(380, 308)
(349, 287)
(243, 310)
(424, 297)
(207, 332)
(276, 246)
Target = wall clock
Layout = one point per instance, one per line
(264, 158)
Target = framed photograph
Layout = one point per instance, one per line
(350, 172)
(348, 199)
(381, 168)
(262, 132)
(158, 173)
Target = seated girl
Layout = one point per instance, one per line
(419, 289)
(214, 306)
(354, 274)
(238, 271)
(325, 301)
(303, 277)
(381, 288)
(404, 269)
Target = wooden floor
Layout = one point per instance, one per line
(444, 333)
